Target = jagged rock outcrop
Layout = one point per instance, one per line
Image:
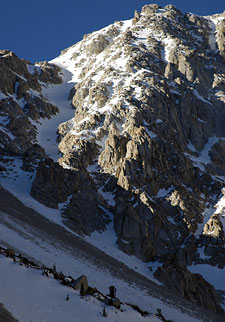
(191, 286)
(19, 76)
(22, 103)
(81, 205)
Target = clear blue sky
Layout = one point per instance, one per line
(39, 29)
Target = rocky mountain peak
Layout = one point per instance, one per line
(147, 137)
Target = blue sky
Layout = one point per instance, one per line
(39, 30)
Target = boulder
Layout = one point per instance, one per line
(81, 284)
(115, 302)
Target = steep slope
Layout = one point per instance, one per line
(47, 300)
(147, 139)
(48, 245)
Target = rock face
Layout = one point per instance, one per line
(148, 113)
(5, 315)
(191, 286)
(22, 103)
(74, 193)
(147, 139)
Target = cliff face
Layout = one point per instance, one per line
(147, 138)
(22, 102)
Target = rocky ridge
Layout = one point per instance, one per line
(148, 131)
(21, 104)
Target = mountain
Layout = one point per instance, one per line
(121, 141)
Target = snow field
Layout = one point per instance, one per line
(50, 253)
(29, 296)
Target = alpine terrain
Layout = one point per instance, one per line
(112, 173)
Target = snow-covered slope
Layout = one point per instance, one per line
(30, 296)
(33, 297)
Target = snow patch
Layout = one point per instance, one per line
(150, 133)
(204, 158)
(47, 128)
(169, 44)
(191, 147)
(162, 193)
(196, 93)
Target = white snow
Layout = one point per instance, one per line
(175, 92)
(19, 183)
(47, 128)
(150, 133)
(4, 119)
(207, 213)
(20, 76)
(220, 209)
(171, 220)
(213, 21)
(108, 196)
(196, 93)
(162, 193)
(160, 11)
(202, 253)
(29, 296)
(212, 35)
(46, 297)
(110, 247)
(210, 210)
(143, 35)
(66, 62)
(7, 132)
(220, 206)
(213, 275)
(203, 157)
(191, 147)
(126, 24)
(17, 84)
(2, 96)
(158, 121)
(200, 120)
(169, 45)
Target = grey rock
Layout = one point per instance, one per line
(192, 286)
(99, 44)
(82, 211)
(81, 284)
(115, 302)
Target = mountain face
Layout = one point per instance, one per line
(144, 145)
